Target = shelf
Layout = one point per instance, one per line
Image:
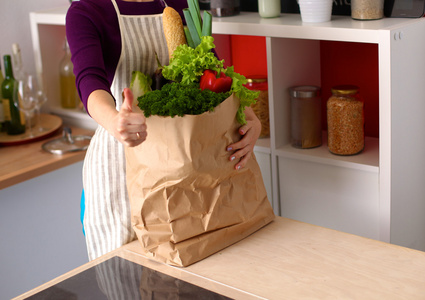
(74, 117)
(367, 160)
(263, 145)
(54, 16)
(341, 28)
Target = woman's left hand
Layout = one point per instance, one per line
(243, 149)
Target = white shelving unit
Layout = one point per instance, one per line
(379, 193)
(48, 37)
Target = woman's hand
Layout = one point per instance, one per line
(128, 125)
(130, 128)
(243, 149)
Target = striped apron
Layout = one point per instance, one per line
(107, 222)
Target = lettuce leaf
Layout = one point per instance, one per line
(188, 64)
(245, 95)
(140, 84)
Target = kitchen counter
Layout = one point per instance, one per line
(27, 161)
(285, 260)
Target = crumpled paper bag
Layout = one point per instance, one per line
(187, 200)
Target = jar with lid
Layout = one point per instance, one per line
(224, 8)
(345, 114)
(306, 121)
(367, 9)
(261, 106)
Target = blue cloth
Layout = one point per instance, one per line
(83, 208)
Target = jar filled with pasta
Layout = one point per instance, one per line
(345, 116)
(261, 106)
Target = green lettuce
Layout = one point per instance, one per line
(188, 64)
(140, 84)
(185, 69)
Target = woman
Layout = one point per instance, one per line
(108, 40)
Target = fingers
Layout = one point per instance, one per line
(131, 123)
(243, 149)
(128, 100)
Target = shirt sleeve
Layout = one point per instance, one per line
(87, 55)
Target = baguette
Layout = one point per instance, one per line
(173, 29)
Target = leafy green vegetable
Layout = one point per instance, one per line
(188, 64)
(185, 69)
(178, 99)
(196, 26)
(140, 84)
(245, 95)
(207, 24)
(194, 35)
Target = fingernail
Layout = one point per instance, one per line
(232, 158)
(229, 149)
(238, 167)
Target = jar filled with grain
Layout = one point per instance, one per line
(306, 124)
(261, 106)
(367, 9)
(345, 113)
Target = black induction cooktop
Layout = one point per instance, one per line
(120, 279)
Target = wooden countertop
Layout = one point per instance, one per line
(293, 260)
(23, 162)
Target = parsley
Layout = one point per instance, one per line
(178, 99)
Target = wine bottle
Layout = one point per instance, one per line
(2, 120)
(13, 119)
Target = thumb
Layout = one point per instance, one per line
(127, 103)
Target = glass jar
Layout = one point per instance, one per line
(204, 4)
(269, 8)
(367, 9)
(306, 121)
(224, 8)
(261, 106)
(345, 113)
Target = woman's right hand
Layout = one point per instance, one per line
(129, 125)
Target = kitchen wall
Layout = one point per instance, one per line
(40, 231)
(15, 26)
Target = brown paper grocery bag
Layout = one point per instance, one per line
(187, 200)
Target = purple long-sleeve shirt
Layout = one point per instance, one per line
(94, 38)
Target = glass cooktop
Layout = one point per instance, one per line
(120, 279)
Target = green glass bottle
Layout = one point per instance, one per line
(2, 120)
(14, 125)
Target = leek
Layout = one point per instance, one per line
(196, 26)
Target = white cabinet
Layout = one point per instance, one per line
(379, 193)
